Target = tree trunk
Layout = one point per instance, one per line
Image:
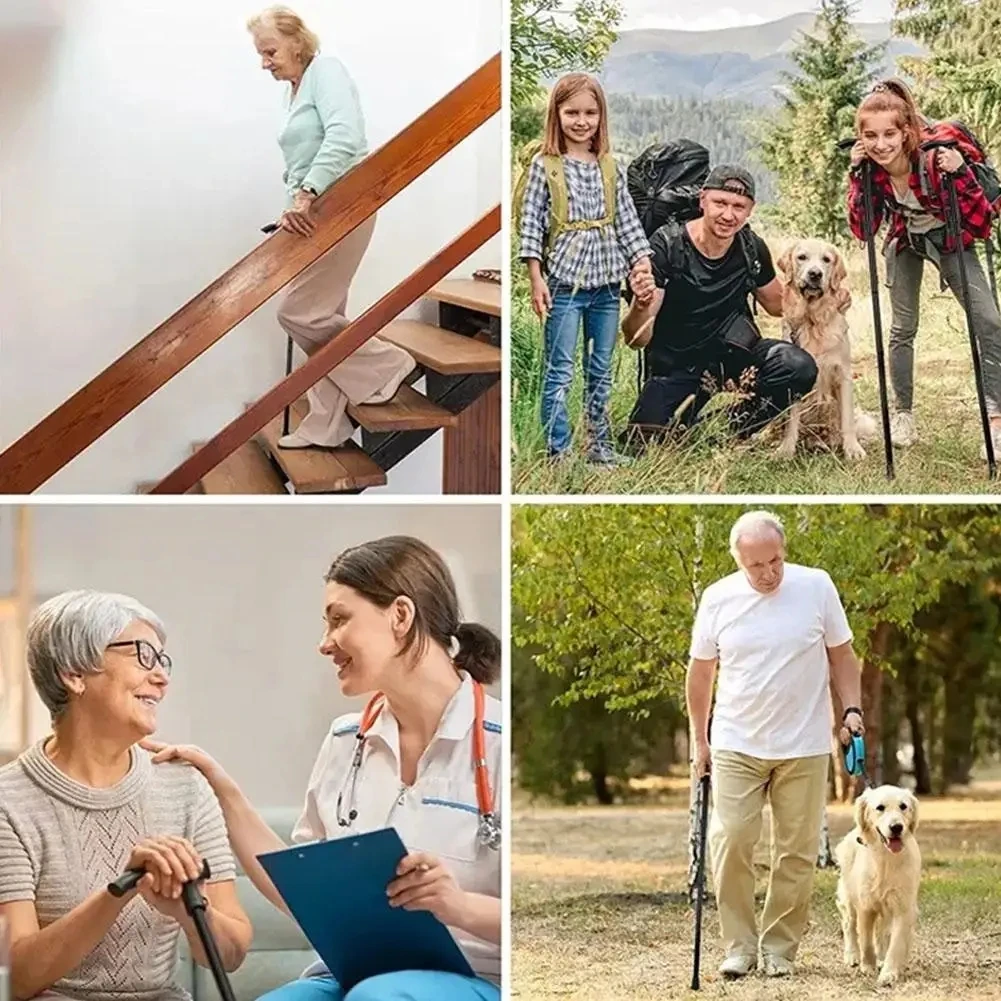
(957, 726)
(922, 774)
(891, 729)
(598, 769)
(872, 702)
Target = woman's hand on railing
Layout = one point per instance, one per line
(299, 218)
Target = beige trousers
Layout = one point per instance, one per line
(312, 314)
(796, 789)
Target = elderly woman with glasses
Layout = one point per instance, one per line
(85, 803)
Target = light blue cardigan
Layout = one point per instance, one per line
(324, 132)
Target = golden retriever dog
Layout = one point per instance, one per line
(814, 302)
(878, 887)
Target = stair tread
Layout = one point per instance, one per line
(443, 351)
(321, 470)
(246, 471)
(484, 297)
(408, 410)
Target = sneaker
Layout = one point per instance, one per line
(903, 432)
(739, 965)
(605, 455)
(294, 440)
(777, 966)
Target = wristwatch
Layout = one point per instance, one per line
(310, 190)
(851, 709)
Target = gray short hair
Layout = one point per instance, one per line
(69, 633)
(755, 524)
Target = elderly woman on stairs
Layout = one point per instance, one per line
(85, 803)
(323, 137)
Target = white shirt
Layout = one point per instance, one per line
(437, 814)
(773, 692)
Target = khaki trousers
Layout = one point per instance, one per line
(312, 314)
(796, 789)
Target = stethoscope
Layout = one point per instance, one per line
(488, 829)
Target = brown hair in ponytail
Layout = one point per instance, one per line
(893, 95)
(402, 566)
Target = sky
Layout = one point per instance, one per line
(711, 14)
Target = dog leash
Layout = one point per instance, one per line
(853, 754)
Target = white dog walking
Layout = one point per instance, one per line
(878, 888)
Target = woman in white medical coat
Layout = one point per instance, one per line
(424, 757)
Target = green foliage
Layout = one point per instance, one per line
(605, 597)
(570, 752)
(961, 76)
(548, 38)
(835, 70)
(724, 127)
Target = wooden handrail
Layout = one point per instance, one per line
(143, 369)
(356, 333)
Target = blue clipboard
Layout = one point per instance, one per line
(336, 891)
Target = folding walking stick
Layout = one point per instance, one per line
(954, 223)
(700, 876)
(877, 319)
(194, 904)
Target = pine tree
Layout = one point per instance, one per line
(961, 75)
(836, 69)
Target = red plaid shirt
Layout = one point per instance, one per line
(976, 213)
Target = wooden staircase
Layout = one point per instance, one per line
(459, 358)
(457, 366)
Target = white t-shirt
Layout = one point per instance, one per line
(437, 814)
(773, 690)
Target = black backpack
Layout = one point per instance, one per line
(664, 182)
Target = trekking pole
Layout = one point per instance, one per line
(955, 225)
(700, 876)
(877, 319)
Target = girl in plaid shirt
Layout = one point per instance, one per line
(889, 128)
(576, 272)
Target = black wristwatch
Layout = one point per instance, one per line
(310, 190)
(851, 709)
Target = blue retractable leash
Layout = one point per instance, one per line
(853, 755)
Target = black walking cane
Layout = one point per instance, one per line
(194, 904)
(700, 876)
(877, 316)
(956, 232)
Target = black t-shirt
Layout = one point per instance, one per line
(700, 297)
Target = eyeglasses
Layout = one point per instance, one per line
(148, 655)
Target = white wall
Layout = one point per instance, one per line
(240, 590)
(138, 160)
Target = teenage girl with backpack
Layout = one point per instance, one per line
(910, 191)
(580, 237)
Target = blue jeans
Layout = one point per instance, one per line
(598, 308)
(407, 985)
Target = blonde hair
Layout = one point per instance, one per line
(288, 24)
(565, 89)
(893, 95)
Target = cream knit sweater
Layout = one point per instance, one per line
(61, 840)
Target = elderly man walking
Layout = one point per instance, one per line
(779, 634)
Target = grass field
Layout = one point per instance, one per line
(946, 460)
(599, 910)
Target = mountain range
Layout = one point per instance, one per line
(743, 63)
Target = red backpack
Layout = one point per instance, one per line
(954, 133)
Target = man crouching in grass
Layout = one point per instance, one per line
(693, 320)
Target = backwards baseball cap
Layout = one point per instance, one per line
(727, 177)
